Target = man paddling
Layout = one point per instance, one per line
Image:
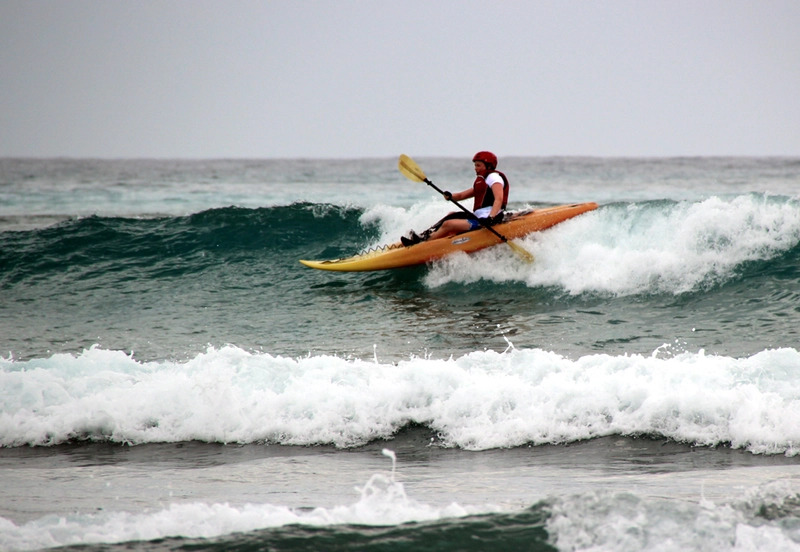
(490, 191)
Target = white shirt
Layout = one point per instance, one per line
(491, 178)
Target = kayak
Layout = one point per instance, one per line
(396, 255)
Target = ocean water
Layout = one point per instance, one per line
(171, 378)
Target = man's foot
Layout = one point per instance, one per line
(411, 240)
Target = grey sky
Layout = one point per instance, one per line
(377, 78)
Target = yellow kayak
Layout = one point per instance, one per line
(396, 255)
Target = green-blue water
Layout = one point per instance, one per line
(171, 375)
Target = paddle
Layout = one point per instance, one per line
(412, 171)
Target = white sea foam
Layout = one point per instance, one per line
(382, 501)
(653, 247)
(394, 222)
(765, 518)
(478, 401)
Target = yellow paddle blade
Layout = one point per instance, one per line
(521, 252)
(410, 169)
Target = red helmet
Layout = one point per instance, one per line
(486, 157)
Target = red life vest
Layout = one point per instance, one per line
(484, 196)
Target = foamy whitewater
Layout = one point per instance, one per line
(173, 378)
(479, 401)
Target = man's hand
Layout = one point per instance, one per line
(491, 221)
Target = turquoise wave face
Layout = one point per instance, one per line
(122, 248)
(622, 249)
(628, 277)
